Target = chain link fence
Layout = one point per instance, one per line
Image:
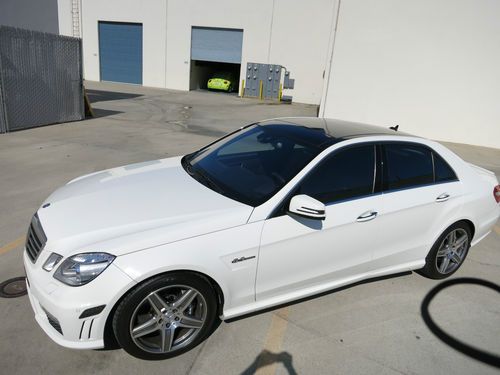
(40, 79)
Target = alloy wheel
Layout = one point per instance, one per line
(168, 319)
(452, 251)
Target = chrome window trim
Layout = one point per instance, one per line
(382, 191)
(419, 186)
(386, 191)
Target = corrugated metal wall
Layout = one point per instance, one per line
(40, 77)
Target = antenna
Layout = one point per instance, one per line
(395, 128)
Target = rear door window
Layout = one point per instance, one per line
(407, 165)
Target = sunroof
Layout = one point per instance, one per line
(337, 129)
(348, 129)
(314, 136)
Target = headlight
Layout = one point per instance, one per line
(83, 268)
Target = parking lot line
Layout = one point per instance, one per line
(274, 339)
(12, 245)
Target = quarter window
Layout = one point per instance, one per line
(347, 174)
(442, 170)
(407, 165)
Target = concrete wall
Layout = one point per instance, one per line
(151, 13)
(39, 15)
(433, 67)
(299, 40)
(65, 17)
(292, 33)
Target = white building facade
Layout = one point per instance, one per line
(431, 66)
(291, 33)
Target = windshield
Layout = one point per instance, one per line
(223, 75)
(253, 164)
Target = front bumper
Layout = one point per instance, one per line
(215, 84)
(57, 306)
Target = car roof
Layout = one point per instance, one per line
(339, 130)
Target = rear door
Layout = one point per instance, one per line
(420, 191)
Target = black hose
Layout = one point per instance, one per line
(478, 354)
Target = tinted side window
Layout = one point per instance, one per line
(407, 165)
(346, 174)
(442, 170)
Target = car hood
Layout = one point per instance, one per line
(134, 207)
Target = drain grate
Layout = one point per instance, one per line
(13, 288)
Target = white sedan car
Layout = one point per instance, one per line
(152, 254)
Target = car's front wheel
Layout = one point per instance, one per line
(449, 252)
(166, 316)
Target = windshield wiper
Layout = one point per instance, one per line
(204, 179)
(200, 176)
(187, 165)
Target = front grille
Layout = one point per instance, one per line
(53, 321)
(36, 239)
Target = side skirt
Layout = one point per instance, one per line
(317, 289)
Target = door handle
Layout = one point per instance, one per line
(367, 216)
(443, 197)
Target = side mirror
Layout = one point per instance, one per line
(305, 206)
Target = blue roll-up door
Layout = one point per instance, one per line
(214, 44)
(120, 52)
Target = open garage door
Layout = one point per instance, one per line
(120, 52)
(214, 52)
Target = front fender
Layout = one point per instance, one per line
(210, 254)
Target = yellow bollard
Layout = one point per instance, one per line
(242, 88)
(261, 86)
(280, 94)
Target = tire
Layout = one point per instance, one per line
(166, 316)
(448, 252)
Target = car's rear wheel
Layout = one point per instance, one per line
(449, 252)
(166, 316)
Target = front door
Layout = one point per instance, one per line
(303, 256)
